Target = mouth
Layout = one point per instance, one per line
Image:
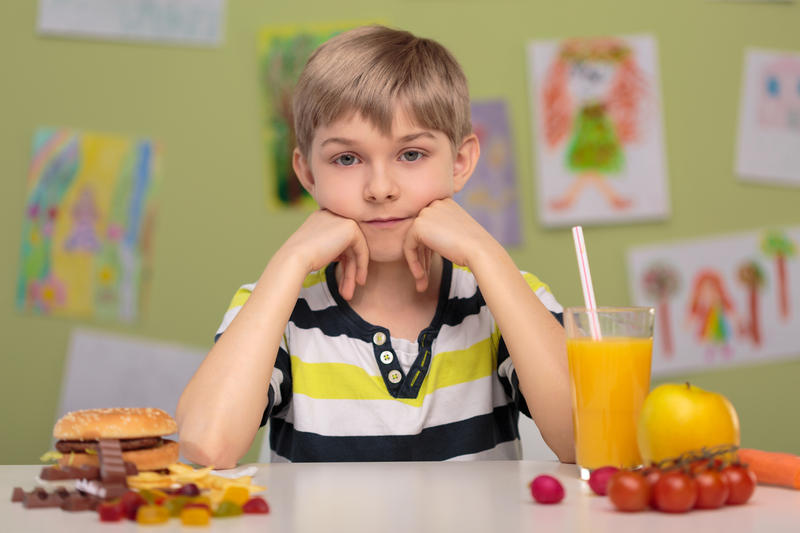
(384, 223)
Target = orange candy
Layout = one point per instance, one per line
(195, 516)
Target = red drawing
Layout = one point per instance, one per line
(661, 282)
(778, 245)
(751, 276)
(592, 98)
(712, 310)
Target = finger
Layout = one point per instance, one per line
(360, 252)
(411, 253)
(348, 285)
(422, 254)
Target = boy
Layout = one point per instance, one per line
(362, 339)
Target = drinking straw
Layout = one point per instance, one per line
(586, 280)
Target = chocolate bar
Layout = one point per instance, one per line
(112, 467)
(18, 495)
(39, 498)
(60, 473)
(80, 501)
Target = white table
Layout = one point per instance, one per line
(420, 497)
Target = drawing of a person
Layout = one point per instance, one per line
(712, 312)
(593, 93)
(84, 215)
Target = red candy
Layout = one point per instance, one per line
(111, 512)
(130, 502)
(190, 489)
(256, 505)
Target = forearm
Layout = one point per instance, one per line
(535, 341)
(220, 410)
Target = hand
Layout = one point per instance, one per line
(326, 237)
(446, 228)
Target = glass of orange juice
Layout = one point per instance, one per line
(610, 377)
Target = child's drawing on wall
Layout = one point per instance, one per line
(734, 305)
(87, 235)
(751, 275)
(778, 246)
(711, 313)
(599, 130)
(283, 53)
(661, 282)
(769, 118)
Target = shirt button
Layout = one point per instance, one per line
(379, 338)
(395, 376)
(386, 357)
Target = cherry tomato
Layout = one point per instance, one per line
(628, 491)
(598, 480)
(712, 490)
(741, 483)
(675, 492)
(652, 474)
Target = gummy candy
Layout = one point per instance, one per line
(237, 495)
(152, 514)
(175, 504)
(130, 502)
(195, 516)
(190, 489)
(111, 512)
(256, 505)
(227, 508)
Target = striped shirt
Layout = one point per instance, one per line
(343, 389)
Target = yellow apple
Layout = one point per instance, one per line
(678, 418)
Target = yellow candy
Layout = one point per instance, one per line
(195, 516)
(237, 495)
(151, 514)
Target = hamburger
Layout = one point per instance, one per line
(140, 431)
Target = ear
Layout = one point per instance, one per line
(465, 160)
(303, 171)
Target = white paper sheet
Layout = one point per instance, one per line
(599, 142)
(769, 118)
(721, 301)
(192, 22)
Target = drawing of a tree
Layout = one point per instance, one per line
(751, 276)
(661, 281)
(778, 245)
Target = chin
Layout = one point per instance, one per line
(382, 253)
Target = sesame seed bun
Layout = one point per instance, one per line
(145, 459)
(114, 423)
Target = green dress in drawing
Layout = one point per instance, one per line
(595, 146)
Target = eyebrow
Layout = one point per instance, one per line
(404, 139)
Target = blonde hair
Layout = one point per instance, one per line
(371, 69)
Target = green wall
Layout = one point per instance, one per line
(214, 232)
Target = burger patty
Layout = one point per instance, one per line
(72, 446)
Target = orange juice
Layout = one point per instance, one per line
(610, 379)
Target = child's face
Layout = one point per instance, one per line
(382, 182)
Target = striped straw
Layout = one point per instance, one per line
(586, 281)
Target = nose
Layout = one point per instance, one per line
(380, 185)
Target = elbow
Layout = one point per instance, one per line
(564, 456)
(208, 452)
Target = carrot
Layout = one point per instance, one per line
(773, 468)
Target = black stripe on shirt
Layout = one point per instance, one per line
(473, 435)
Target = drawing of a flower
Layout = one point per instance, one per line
(48, 293)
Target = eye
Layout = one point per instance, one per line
(412, 155)
(773, 86)
(346, 160)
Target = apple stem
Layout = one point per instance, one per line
(688, 386)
